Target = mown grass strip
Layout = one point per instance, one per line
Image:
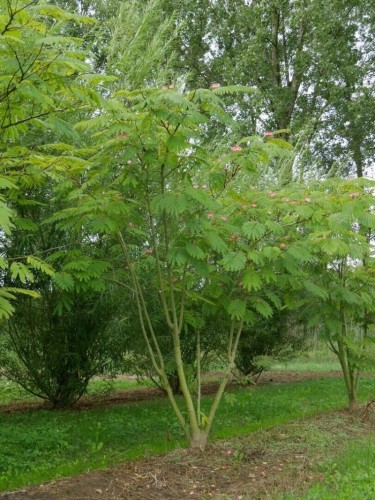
(41, 445)
(348, 475)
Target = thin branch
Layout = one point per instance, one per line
(224, 381)
(183, 298)
(158, 267)
(29, 118)
(199, 381)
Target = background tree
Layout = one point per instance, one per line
(140, 48)
(53, 346)
(54, 355)
(311, 61)
(341, 283)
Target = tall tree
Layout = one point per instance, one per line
(147, 198)
(311, 61)
(140, 50)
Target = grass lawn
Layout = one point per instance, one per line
(347, 475)
(320, 359)
(40, 445)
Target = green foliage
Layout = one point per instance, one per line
(35, 74)
(52, 347)
(141, 44)
(234, 261)
(279, 50)
(39, 80)
(253, 230)
(237, 309)
(269, 340)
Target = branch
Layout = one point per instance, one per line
(29, 118)
(12, 14)
(275, 63)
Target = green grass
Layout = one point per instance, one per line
(301, 365)
(11, 393)
(40, 445)
(350, 475)
(320, 359)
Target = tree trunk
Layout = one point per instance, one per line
(357, 157)
(350, 378)
(352, 397)
(198, 440)
(174, 382)
(352, 393)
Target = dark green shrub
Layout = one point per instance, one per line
(54, 355)
(268, 340)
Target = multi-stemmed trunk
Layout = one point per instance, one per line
(195, 427)
(349, 369)
(351, 374)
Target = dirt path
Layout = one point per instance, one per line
(261, 465)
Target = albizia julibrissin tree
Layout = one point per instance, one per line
(213, 243)
(41, 85)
